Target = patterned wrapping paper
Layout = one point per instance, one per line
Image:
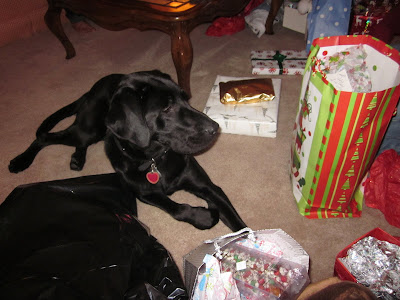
(271, 62)
(327, 18)
(362, 24)
(366, 15)
(258, 119)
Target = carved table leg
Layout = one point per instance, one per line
(275, 6)
(53, 22)
(182, 54)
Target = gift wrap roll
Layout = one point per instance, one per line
(337, 133)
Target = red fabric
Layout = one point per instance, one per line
(251, 5)
(382, 188)
(226, 26)
(230, 25)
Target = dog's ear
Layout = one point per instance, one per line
(158, 73)
(125, 117)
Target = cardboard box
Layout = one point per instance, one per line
(258, 119)
(293, 20)
(279, 62)
(341, 271)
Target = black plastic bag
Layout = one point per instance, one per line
(79, 239)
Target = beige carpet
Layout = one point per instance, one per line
(36, 80)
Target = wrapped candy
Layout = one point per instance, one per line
(261, 276)
(246, 91)
(375, 264)
(265, 265)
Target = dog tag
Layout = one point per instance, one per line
(154, 175)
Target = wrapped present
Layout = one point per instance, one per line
(366, 15)
(246, 91)
(362, 24)
(257, 119)
(271, 62)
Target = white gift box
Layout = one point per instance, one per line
(293, 20)
(257, 119)
(271, 62)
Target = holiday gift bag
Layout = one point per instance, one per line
(338, 131)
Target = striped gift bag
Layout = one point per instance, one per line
(337, 132)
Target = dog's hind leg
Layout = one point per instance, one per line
(199, 217)
(25, 159)
(44, 138)
(68, 137)
(51, 121)
(78, 159)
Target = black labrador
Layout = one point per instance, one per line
(150, 133)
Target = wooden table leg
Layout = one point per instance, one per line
(53, 22)
(182, 54)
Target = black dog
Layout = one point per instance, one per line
(150, 133)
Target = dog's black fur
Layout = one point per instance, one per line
(146, 121)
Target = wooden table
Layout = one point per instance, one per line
(176, 18)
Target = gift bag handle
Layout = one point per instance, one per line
(311, 56)
(215, 241)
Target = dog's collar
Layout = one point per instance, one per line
(126, 148)
(147, 164)
(153, 175)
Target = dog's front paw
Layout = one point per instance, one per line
(200, 217)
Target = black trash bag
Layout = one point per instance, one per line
(80, 239)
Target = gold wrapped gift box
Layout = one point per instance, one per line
(246, 91)
(255, 119)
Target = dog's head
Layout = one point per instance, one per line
(149, 106)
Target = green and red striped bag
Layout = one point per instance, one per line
(337, 133)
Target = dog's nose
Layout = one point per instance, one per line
(212, 129)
